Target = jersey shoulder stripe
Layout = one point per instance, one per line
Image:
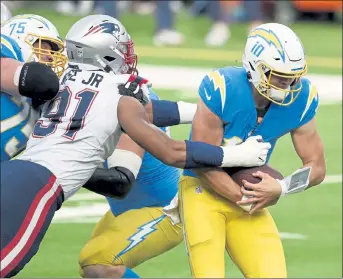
(10, 48)
(213, 91)
(312, 100)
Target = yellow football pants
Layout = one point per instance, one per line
(130, 238)
(213, 224)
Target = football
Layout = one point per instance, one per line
(239, 173)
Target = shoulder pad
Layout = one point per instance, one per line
(212, 91)
(10, 49)
(308, 101)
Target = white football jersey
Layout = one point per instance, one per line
(78, 130)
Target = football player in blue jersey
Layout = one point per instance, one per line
(269, 96)
(34, 40)
(136, 228)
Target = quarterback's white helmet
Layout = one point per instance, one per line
(101, 41)
(5, 13)
(34, 33)
(273, 52)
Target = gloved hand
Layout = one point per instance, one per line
(251, 153)
(136, 87)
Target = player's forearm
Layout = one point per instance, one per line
(311, 174)
(221, 183)
(195, 154)
(188, 154)
(318, 172)
(185, 154)
(164, 113)
(309, 147)
(34, 80)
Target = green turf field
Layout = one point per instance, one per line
(313, 219)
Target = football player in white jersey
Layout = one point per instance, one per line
(79, 129)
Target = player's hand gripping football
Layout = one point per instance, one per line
(262, 194)
(251, 153)
(136, 87)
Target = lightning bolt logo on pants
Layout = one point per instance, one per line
(140, 235)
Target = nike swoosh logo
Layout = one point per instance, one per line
(208, 97)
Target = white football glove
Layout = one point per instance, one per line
(251, 153)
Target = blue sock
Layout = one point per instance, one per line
(130, 274)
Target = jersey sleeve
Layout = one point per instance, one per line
(10, 49)
(212, 91)
(311, 106)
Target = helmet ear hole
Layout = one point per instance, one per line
(249, 75)
(109, 58)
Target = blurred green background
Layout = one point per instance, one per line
(322, 41)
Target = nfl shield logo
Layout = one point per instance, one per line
(198, 190)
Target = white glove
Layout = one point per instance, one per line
(251, 153)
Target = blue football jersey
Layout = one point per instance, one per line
(228, 94)
(156, 184)
(15, 111)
